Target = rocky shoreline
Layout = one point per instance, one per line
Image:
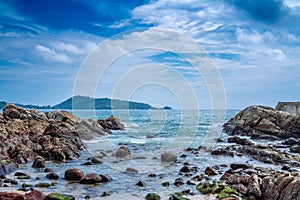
(256, 133)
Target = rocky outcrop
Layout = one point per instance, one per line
(261, 122)
(111, 123)
(290, 107)
(27, 133)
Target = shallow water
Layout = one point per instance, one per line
(173, 131)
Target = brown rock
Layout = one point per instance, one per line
(74, 174)
(210, 171)
(39, 162)
(90, 179)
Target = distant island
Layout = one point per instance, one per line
(83, 102)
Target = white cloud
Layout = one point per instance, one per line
(50, 55)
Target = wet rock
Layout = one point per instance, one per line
(189, 182)
(178, 182)
(74, 174)
(152, 175)
(29, 133)
(168, 158)
(254, 186)
(105, 178)
(150, 136)
(95, 160)
(48, 170)
(52, 176)
(58, 196)
(211, 171)
(87, 163)
(24, 177)
(43, 185)
(152, 196)
(25, 185)
(165, 184)
(238, 140)
(295, 149)
(236, 166)
(131, 170)
(123, 152)
(20, 174)
(261, 120)
(141, 184)
(185, 169)
(111, 123)
(39, 162)
(90, 179)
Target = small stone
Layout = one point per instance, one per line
(90, 179)
(132, 170)
(25, 185)
(152, 175)
(185, 169)
(210, 171)
(96, 161)
(48, 170)
(105, 178)
(168, 158)
(52, 176)
(73, 174)
(20, 174)
(178, 182)
(238, 166)
(123, 152)
(141, 184)
(43, 185)
(105, 194)
(87, 163)
(152, 196)
(58, 196)
(189, 182)
(39, 162)
(24, 177)
(165, 184)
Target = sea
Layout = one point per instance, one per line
(148, 134)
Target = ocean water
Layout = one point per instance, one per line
(172, 130)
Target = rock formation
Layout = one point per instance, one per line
(56, 135)
(290, 107)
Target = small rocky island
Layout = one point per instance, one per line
(264, 134)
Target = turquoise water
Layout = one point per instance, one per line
(173, 131)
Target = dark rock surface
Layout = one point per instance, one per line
(290, 107)
(57, 135)
(111, 123)
(263, 122)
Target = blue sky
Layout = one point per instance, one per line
(255, 45)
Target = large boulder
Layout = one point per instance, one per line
(28, 133)
(74, 174)
(290, 107)
(265, 123)
(111, 123)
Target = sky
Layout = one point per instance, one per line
(254, 45)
